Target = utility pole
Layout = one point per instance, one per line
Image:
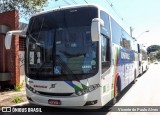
(131, 31)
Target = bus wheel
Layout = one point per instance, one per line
(142, 70)
(146, 68)
(117, 93)
(134, 81)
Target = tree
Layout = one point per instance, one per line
(158, 55)
(153, 48)
(25, 7)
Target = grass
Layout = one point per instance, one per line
(18, 87)
(17, 99)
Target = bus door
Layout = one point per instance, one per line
(106, 77)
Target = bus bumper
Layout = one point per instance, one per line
(80, 102)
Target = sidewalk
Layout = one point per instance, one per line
(6, 97)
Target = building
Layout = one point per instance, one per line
(11, 61)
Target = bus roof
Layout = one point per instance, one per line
(79, 6)
(71, 6)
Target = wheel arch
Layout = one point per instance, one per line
(117, 80)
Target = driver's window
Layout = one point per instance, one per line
(105, 53)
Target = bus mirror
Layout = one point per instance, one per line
(8, 38)
(95, 28)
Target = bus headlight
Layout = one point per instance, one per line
(88, 89)
(91, 88)
(31, 89)
(79, 93)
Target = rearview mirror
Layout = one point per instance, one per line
(8, 38)
(95, 28)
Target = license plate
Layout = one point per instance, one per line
(54, 102)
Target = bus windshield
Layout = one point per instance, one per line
(60, 45)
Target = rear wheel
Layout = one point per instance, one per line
(146, 68)
(134, 81)
(142, 70)
(117, 93)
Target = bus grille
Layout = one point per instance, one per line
(55, 94)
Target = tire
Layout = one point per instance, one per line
(116, 98)
(146, 68)
(142, 70)
(134, 81)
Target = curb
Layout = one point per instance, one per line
(21, 104)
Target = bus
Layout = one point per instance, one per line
(143, 59)
(77, 56)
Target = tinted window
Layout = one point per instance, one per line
(126, 40)
(64, 18)
(116, 32)
(105, 53)
(61, 45)
(106, 29)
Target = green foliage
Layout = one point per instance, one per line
(25, 7)
(17, 99)
(158, 55)
(18, 87)
(153, 48)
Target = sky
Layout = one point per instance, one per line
(141, 15)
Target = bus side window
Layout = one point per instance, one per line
(106, 29)
(105, 53)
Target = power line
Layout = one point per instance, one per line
(74, 2)
(86, 1)
(109, 2)
(66, 2)
(111, 5)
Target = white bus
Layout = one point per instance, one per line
(77, 56)
(143, 59)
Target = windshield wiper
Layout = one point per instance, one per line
(32, 37)
(37, 43)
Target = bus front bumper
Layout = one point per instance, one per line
(66, 102)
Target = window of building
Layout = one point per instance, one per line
(22, 43)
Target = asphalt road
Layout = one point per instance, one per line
(145, 93)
